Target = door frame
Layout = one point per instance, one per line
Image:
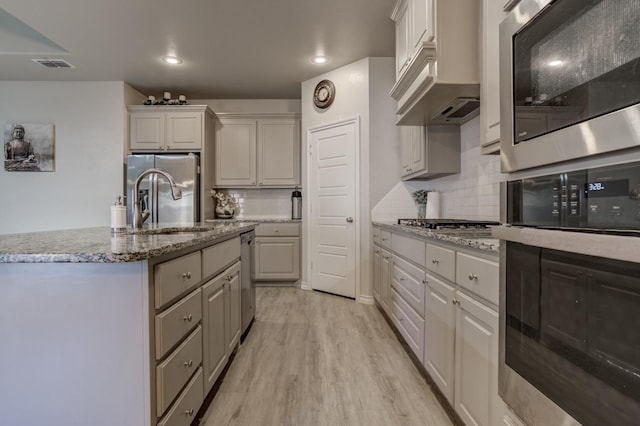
(311, 225)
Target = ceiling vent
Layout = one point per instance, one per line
(53, 63)
(459, 111)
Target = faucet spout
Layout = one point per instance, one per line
(140, 215)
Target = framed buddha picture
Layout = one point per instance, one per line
(29, 147)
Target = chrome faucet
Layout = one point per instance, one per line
(139, 215)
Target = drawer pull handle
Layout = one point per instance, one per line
(189, 412)
(472, 277)
(435, 261)
(186, 275)
(188, 363)
(188, 318)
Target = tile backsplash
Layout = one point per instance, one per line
(262, 203)
(474, 193)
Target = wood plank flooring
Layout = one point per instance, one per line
(316, 359)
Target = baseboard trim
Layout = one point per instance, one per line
(366, 300)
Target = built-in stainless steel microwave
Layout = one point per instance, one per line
(570, 80)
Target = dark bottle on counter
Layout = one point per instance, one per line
(296, 204)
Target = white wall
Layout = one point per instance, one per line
(362, 90)
(471, 194)
(89, 146)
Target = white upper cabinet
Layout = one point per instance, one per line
(492, 15)
(257, 152)
(437, 58)
(429, 152)
(167, 128)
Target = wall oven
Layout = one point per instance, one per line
(570, 80)
(570, 297)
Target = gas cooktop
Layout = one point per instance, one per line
(446, 223)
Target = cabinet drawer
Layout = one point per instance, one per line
(187, 405)
(478, 275)
(174, 323)
(410, 248)
(176, 277)
(217, 257)
(278, 230)
(376, 236)
(442, 261)
(408, 282)
(174, 372)
(385, 239)
(409, 323)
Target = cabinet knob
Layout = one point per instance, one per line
(401, 279)
(455, 301)
(188, 363)
(349, 220)
(188, 318)
(186, 275)
(472, 277)
(276, 230)
(435, 261)
(424, 281)
(189, 412)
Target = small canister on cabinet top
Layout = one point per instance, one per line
(296, 203)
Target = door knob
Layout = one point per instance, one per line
(350, 220)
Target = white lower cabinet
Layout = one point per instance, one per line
(440, 334)
(447, 316)
(232, 293)
(214, 345)
(476, 372)
(277, 252)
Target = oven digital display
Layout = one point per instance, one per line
(607, 188)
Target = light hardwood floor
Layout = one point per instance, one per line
(316, 359)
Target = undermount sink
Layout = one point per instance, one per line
(172, 230)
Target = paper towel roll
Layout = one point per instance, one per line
(433, 205)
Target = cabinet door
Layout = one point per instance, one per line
(412, 146)
(277, 258)
(476, 363)
(234, 307)
(385, 272)
(440, 324)
(236, 152)
(146, 130)
(184, 130)
(214, 343)
(377, 277)
(402, 38)
(278, 152)
(421, 23)
(492, 14)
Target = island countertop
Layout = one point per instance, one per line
(97, 245)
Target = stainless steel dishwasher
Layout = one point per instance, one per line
(248, 287)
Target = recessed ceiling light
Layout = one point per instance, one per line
(319, 59)
(173, 60)
(556, 63)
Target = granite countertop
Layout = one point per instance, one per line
(478, 239)
(97, 245)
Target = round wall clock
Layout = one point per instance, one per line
(324, 94)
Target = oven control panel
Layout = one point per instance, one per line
(600, 198)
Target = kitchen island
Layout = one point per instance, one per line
(116, 330)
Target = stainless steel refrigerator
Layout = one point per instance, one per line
(155, 190)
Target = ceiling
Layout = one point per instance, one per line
(232, 49)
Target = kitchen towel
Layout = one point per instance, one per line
(433, 205)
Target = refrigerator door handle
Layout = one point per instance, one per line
(153, 185)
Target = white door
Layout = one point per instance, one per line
(332, 179)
